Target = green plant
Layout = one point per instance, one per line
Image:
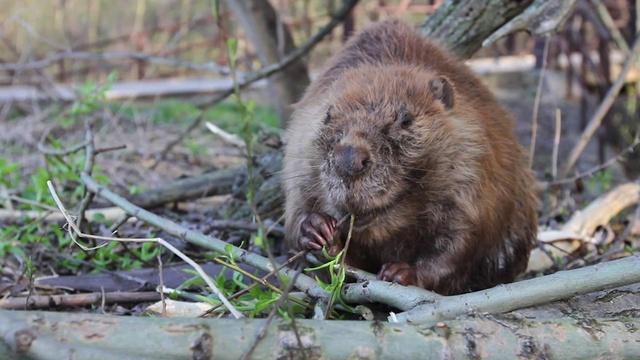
(9, 174)
(337, 273)
(600, 181)
(65, 169)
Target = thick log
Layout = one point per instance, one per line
(465, 26)
(45, 335)
(522, 294)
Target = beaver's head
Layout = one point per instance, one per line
(382, 129)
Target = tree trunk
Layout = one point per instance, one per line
(272, 41)
(462, 26)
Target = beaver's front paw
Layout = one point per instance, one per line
(399, 272)
(317, 230)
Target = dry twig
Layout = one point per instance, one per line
(536, 102)
(556, 144)
(76, 300)
(602, 110)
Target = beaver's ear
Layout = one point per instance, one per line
(442, 90)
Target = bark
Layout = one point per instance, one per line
(465, 26)
(45, 335)
(462, 26)
(272, 40)
(521, 294)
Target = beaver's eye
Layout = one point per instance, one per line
(327, 116)
(406, 119)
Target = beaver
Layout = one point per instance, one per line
(402, 135)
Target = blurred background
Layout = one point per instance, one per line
(164, 56)
(148, 74)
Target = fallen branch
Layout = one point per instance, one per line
(541, 17)
(595, 169)
(215, 183)
(74, 231)
(583, 224)
(303, 282)
(375, 291)
(521, 294)
(104, 214)
(229, 138)
(114, 56)
(76, 300)
(275, 229)
(47, 335)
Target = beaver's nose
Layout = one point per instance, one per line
(351, 161)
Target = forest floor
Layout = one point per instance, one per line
(37, 256)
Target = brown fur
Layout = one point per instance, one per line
(450, 195)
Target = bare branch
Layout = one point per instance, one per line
(539, 18)
(74, 231)
(536, 102)
(602, 110)
(75, 300)
(304, 283)
(507, 297)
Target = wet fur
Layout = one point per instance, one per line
(450, 194)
